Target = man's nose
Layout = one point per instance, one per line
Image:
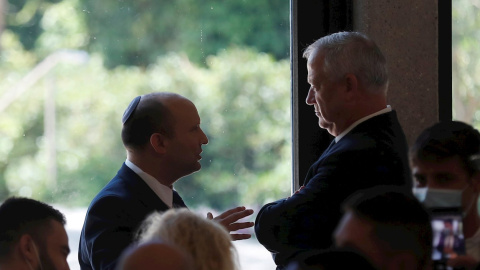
(205, 138)
(310, 97)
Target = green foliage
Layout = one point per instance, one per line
(63, 29)
(137, 32)
(243, 99)
(465, 63)
(242, 95)
(24, 19)
(246, 162)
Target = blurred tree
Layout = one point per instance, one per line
(21, 124)
(3, 11)
(24, 18)
(24, 145)
(243, 97)
(465, 61)
(244, 101)
(247, 160)
(137, 32)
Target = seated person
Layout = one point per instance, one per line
(206, 241)
(444, 162)
(32, 236)
(155, 255)
(389, 227)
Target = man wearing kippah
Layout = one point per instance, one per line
(162, 135)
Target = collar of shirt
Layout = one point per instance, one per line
(345, 132)
(163, 192)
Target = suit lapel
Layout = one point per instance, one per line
(313, 169)
(329, 148)
(178, 201)
(379, 120)
(141, 190)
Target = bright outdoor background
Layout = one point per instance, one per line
(466, 61)
(69, 68)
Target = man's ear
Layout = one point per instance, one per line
(351, 86)
(27, 250)
(158, 141)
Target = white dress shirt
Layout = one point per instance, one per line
(345, 132)
(163, 192)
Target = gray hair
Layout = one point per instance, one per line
(352, 52)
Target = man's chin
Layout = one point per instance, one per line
(193, 167)
(197, 167)
(328, 126)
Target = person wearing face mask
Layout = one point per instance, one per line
(444, 166)
(32, 236)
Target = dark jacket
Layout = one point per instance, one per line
(114, 216)
(373, 153)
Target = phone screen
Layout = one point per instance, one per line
(448, 238)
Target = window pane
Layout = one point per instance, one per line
(465, 61)
(70, 68)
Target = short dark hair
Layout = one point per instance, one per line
(400, 221)
(446, 140)
(150, 116)
(19, 216)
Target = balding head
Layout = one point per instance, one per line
(153, 256)
(152, 114)
(162, 135)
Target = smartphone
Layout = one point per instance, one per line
(448, 238)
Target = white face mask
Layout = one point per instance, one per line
(443, 198)
(40, 267)
(439, 198)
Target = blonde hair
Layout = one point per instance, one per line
(206, 241)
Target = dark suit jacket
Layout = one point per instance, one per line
(113, 218)
(373, 153)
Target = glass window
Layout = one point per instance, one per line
(465, 61)
(70, 68)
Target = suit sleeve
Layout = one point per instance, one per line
(307, 216)
(307, 219)
(108, 231)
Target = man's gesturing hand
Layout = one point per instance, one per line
(229, 220)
